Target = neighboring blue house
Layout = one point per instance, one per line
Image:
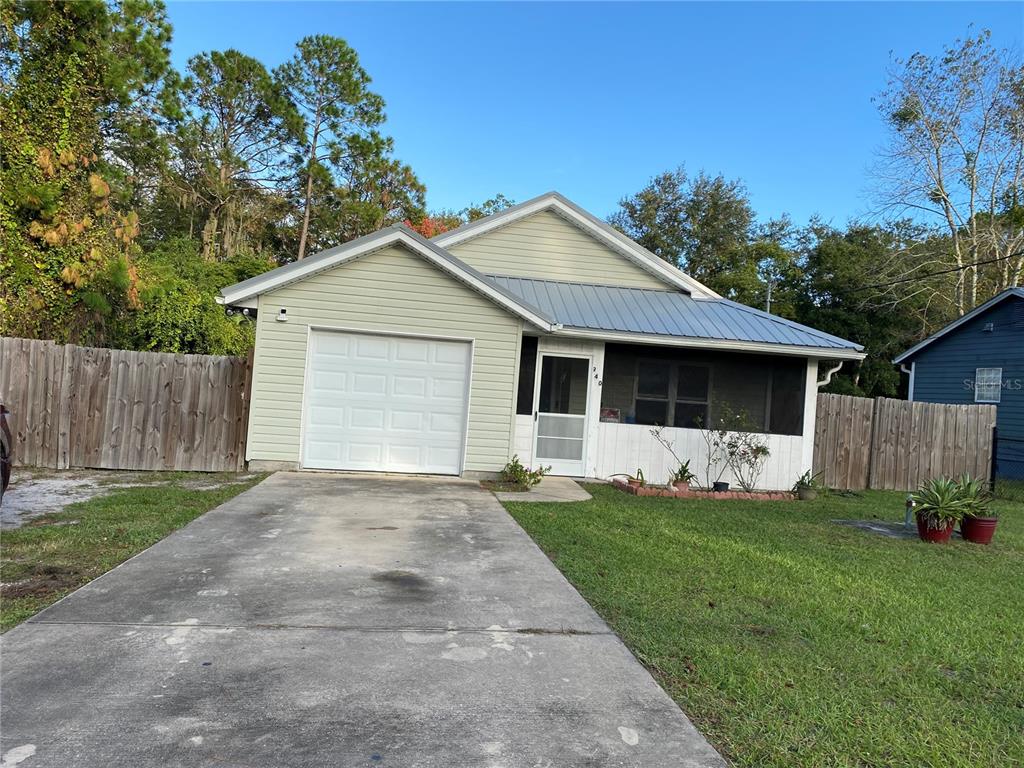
(978, 359)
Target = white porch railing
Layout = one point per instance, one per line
(623, 448)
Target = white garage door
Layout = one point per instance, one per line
(385, 403)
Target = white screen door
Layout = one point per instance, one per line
(560, 411)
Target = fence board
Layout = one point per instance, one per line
(894, 444)
(115, 409)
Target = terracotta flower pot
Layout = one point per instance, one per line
(634, 482)
(681, 485)
(933, 535)
(978, 530)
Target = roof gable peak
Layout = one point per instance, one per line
(590, 224)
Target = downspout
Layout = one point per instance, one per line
(910, 385)
(828, 376)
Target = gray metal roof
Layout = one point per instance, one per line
(663, 313)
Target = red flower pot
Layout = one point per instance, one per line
(978, 529)
(934, 535)
(681, 485)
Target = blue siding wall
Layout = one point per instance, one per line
(944, 372)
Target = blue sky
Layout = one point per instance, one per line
(594, 99)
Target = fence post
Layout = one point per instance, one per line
(873, 456)
(993, 462)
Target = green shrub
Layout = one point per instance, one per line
(940, 502)
(515, 473)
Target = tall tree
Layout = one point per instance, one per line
(700, 224)
(76, 76)
(237, 126)
(956, 158)
(331, 90)
(438, 222)
(835, 293)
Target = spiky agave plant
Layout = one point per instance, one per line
(941, 502)
(977, 497)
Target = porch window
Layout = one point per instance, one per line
(668, 393)
(692, 388)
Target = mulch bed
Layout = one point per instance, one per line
(654, 490)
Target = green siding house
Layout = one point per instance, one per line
(538, 331)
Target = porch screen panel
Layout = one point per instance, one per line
(761, 393)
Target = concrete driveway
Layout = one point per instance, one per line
(333, 620)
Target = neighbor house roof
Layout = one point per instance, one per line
(1018, 292)
(672, 317)
(586, 221)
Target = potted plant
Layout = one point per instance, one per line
(807, 487)
(719, 486)
(978, 523)
(940, 504)
(636, 480)
(682, 477)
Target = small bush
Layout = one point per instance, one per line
(515, 473)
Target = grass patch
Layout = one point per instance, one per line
(52, 555)
(503, 486)
(793, 641)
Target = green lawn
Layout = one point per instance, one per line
(50, 556)
(793, 641)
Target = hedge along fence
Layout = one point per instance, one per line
(116, 409)
(897, 445)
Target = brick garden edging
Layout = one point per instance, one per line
(651, 490)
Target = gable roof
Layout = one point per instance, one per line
(599, 230)
(671, 317)
(242, 292)
(978, 310)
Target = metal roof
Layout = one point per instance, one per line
(663, 313)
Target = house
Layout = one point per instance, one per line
(538, 331)
(978, 359)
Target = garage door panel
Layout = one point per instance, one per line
(450, 354)
(384, 403)
(369, 383)
(445, 423)
(412, 352)
(326, 416)
(367, 418)
(406, 420)
(331, 345)
(371, 348)
(364, 455)
(409, 386)
(449, 389)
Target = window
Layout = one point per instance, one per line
(671, 394)
(527, 371)
(653, 378)
(988, 385)
(681, 387)
(692, 387)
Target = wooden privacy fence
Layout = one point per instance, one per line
(895, 444)
(115, 409)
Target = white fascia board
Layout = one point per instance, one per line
(602, 232)
(822, 353)
(364, 246)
